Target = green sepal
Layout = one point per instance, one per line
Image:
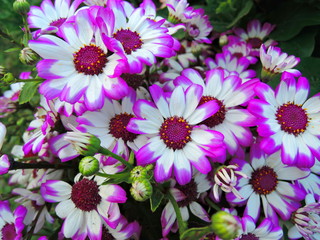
(156, 199)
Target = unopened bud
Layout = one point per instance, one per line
(88, 166)
(28, 57)
(21, 6)
(141, 190)
(85, 144)
(223, 40)
(224, 225)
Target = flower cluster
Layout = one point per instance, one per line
(130, 109)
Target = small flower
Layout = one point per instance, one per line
(274, 61)
(88, 166)
(225, 179)
(224, 225)
(4, 164)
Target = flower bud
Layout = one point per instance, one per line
(141, 190)
(223, 40)
(85, 144)
(21, 6)
(88, 166)
(224, 225)
(3, 71)
(28, 57)
(8, 78)
(138, 172)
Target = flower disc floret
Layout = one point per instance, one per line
(292, 118)
(8, 231)
(118, 127)
(85, 195)
(175, 132)
(190, 190)
(90, 60)
(264, 180)
(216, 118)
(130, 41)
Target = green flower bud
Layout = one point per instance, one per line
(88, 166)
(138, 172)
(28, 57)
(224, 225)
(8, 78)
(85, 144)
(141, 190)
(21, 6)
(223, 40)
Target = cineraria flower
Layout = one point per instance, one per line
(49, 17)
(140, 38)
(267, 182)
(186, 197)
(174, 139)
(229, 92)
(179, 10)
(306, 221)
(85, 205)
(267, 230)
(109, 125)
(78, 64)
(288, 121)
(37, 210)
(255, 35)
(225, 179)
(231, 63)
(4, 160)
(11, 223)
(240, 49)
(274, 61)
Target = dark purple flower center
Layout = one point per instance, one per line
(248, 236)
(85, 195)
(8, 231)
(130, 41)
(193, 30)
(90, 60)
(238, 55)
(175, 132)
(264, 180)
(292, 118)
(216, 118)
(190, 191)
(255, 42)
(133, 80)
(58, 23)
(118, 127)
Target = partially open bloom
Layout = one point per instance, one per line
(11, 223)
(274, 61)
(288, 121)
(174, 139)
(85, 205)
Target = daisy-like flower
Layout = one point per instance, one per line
(240, 49)
(228, 61)
(140, 38)
(85, 205)
(77, 64)
(229, 92)
(49, 17)
(268, 182)
(274, 61)
(4, 160)
(179, 10)
(255, 35)
(174, 139)
(288, 121)
(267, 230)
(11, 223)
(37, 210)
(109, 125)
(186, 197)
(306, 221)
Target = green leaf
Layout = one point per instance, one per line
(156, 199)
(291, 19)
(243, 12)
(302, 45)
(12, 50)
(309, 67)
(28, 91)
(195, 233)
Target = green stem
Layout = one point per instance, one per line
(115, 156)
(212, 204)
(182, 224)
(29, 80)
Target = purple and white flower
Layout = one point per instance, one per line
(174, 139)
